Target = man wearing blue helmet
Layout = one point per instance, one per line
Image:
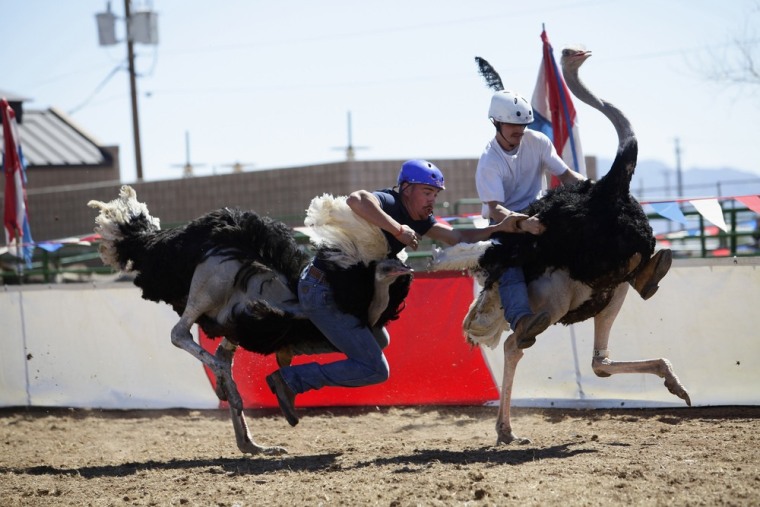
(404, 213)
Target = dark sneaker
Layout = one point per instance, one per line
(285, 396)
(529, 327)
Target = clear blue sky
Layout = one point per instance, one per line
(270, 83)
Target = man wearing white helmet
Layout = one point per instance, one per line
(509, 177)
(404, 213)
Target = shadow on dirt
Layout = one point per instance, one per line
(422, 458)
(226, 466)
(419, 459)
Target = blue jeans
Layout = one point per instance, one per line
(514, 295)
(365, 363)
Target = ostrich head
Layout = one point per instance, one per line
(573, 57)
(388, 270)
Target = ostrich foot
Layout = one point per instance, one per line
(243, 437)
(675, 387)
(507, 437)
(252, 447)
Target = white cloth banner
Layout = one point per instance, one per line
(711, 210)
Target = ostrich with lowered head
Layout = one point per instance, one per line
(235, 274)
(597, 241)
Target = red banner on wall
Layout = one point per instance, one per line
(430, 362)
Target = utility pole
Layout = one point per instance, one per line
(141, 27)
(350, 149)
(679, 179)
(133, 93)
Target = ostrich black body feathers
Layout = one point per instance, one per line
(165, 261)
(592, 231)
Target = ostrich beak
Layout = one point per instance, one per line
(401, 271)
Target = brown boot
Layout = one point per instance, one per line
(649, 275)
(530, 326)
(285, 396)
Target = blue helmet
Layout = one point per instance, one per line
(422, 172)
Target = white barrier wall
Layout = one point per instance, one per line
(97, 346)
(103, 346)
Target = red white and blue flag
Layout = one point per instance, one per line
(18, 236)
(554, 112)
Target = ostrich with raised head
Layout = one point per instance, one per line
(235, 273)
(597, 241)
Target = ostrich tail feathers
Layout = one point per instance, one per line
(493, 80)
(459, 257)
(346, 238)
(118, 219)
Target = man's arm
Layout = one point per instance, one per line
(447, 234)
(367, 206)
(518, 222)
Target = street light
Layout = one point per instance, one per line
(142, 28)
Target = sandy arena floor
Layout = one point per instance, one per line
(385, 456)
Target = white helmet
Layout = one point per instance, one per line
(509, 107)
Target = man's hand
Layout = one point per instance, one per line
(408, 237)
(511, 222)
(531, 225)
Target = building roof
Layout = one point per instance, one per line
(50, 138)
(13, 96)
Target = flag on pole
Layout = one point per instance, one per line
(554, 112)
(18, 236)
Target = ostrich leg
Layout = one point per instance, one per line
(211, 282)
(512, 356)
(226, 353)
(603, 366)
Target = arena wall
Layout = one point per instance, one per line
(102, 346)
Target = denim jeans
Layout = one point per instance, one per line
(365, 363)
(514, 295)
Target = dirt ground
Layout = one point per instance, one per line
(382, 456)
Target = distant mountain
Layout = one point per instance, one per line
(656, 180)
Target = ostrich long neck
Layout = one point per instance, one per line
(380, 299)
(619, 121)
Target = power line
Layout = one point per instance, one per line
(98, 88)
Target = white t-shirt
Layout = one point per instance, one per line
(516, 179)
